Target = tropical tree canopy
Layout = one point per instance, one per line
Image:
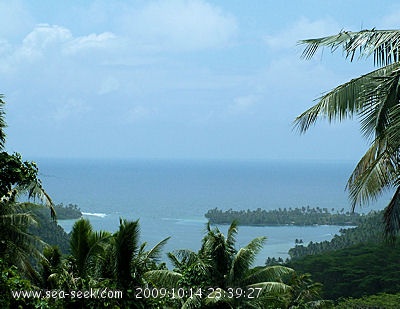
(374, 99)
(219, 264)
(18, 176)
(17, 246)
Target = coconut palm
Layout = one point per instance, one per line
(374, 99)
(17, 246)
(131, 260)
(124, 261)
(51, 264)
(220, 265)
(87, 247)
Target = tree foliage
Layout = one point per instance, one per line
(356, 271)
(370, 230)
(374, 99)
(297, 216)
(221, 265)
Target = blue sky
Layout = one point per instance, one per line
(190, 79)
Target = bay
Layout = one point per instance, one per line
(170, 197)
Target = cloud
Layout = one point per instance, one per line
(139, 112)
(71, 108)
(45, 41)
(301, 29)
(243, 104)
(180, 25)
(41, 40)
(108, 85)
(89, 42)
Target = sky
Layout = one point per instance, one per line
(178, 79)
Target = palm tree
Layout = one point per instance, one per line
(219, 264)
(87, 247)
(51, 264)
(305, 293)
(17, 246)
(125, 261)
(374, 98)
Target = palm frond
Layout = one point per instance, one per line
(182, 258)
(98, 243)
(163, 278)
(80, 243)
(392, 216)
(193, 302)
(267, 274)
(376, 171)
(218, 295)
(272, 287)
(18, 219)
(383, 44)
(35, 190)
(17, 245)
(362, 95)
(231, 235)
(245, 258)
(126, 247)
(382, 97)
(155, 252)
(174, 260)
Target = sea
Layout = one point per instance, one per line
(170, 197)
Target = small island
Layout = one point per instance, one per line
(67, 212)
(63, 212)
(304, 216)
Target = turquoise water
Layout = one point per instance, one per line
(171, 197)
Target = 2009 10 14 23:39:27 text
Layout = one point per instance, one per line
(210, 292)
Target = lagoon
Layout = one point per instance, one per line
(170, 197)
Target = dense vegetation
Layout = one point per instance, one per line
(363, 269)
(357, 263)
(369, 230)
(118, 262)
(380, 301)
(66, 212)
(296, 216)
(45, 228)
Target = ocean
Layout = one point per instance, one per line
(170, 197)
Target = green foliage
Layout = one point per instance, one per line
(14, 171)
(46, 228)
(51, 263)
(297, 216)
(67, 212)
(379, 301)
(18, 176)
(370, 230)
(221, 265)
(17, 246)
(361, 270)
(373, 98)
(87, 247)
(114, 261)
(11, 280)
